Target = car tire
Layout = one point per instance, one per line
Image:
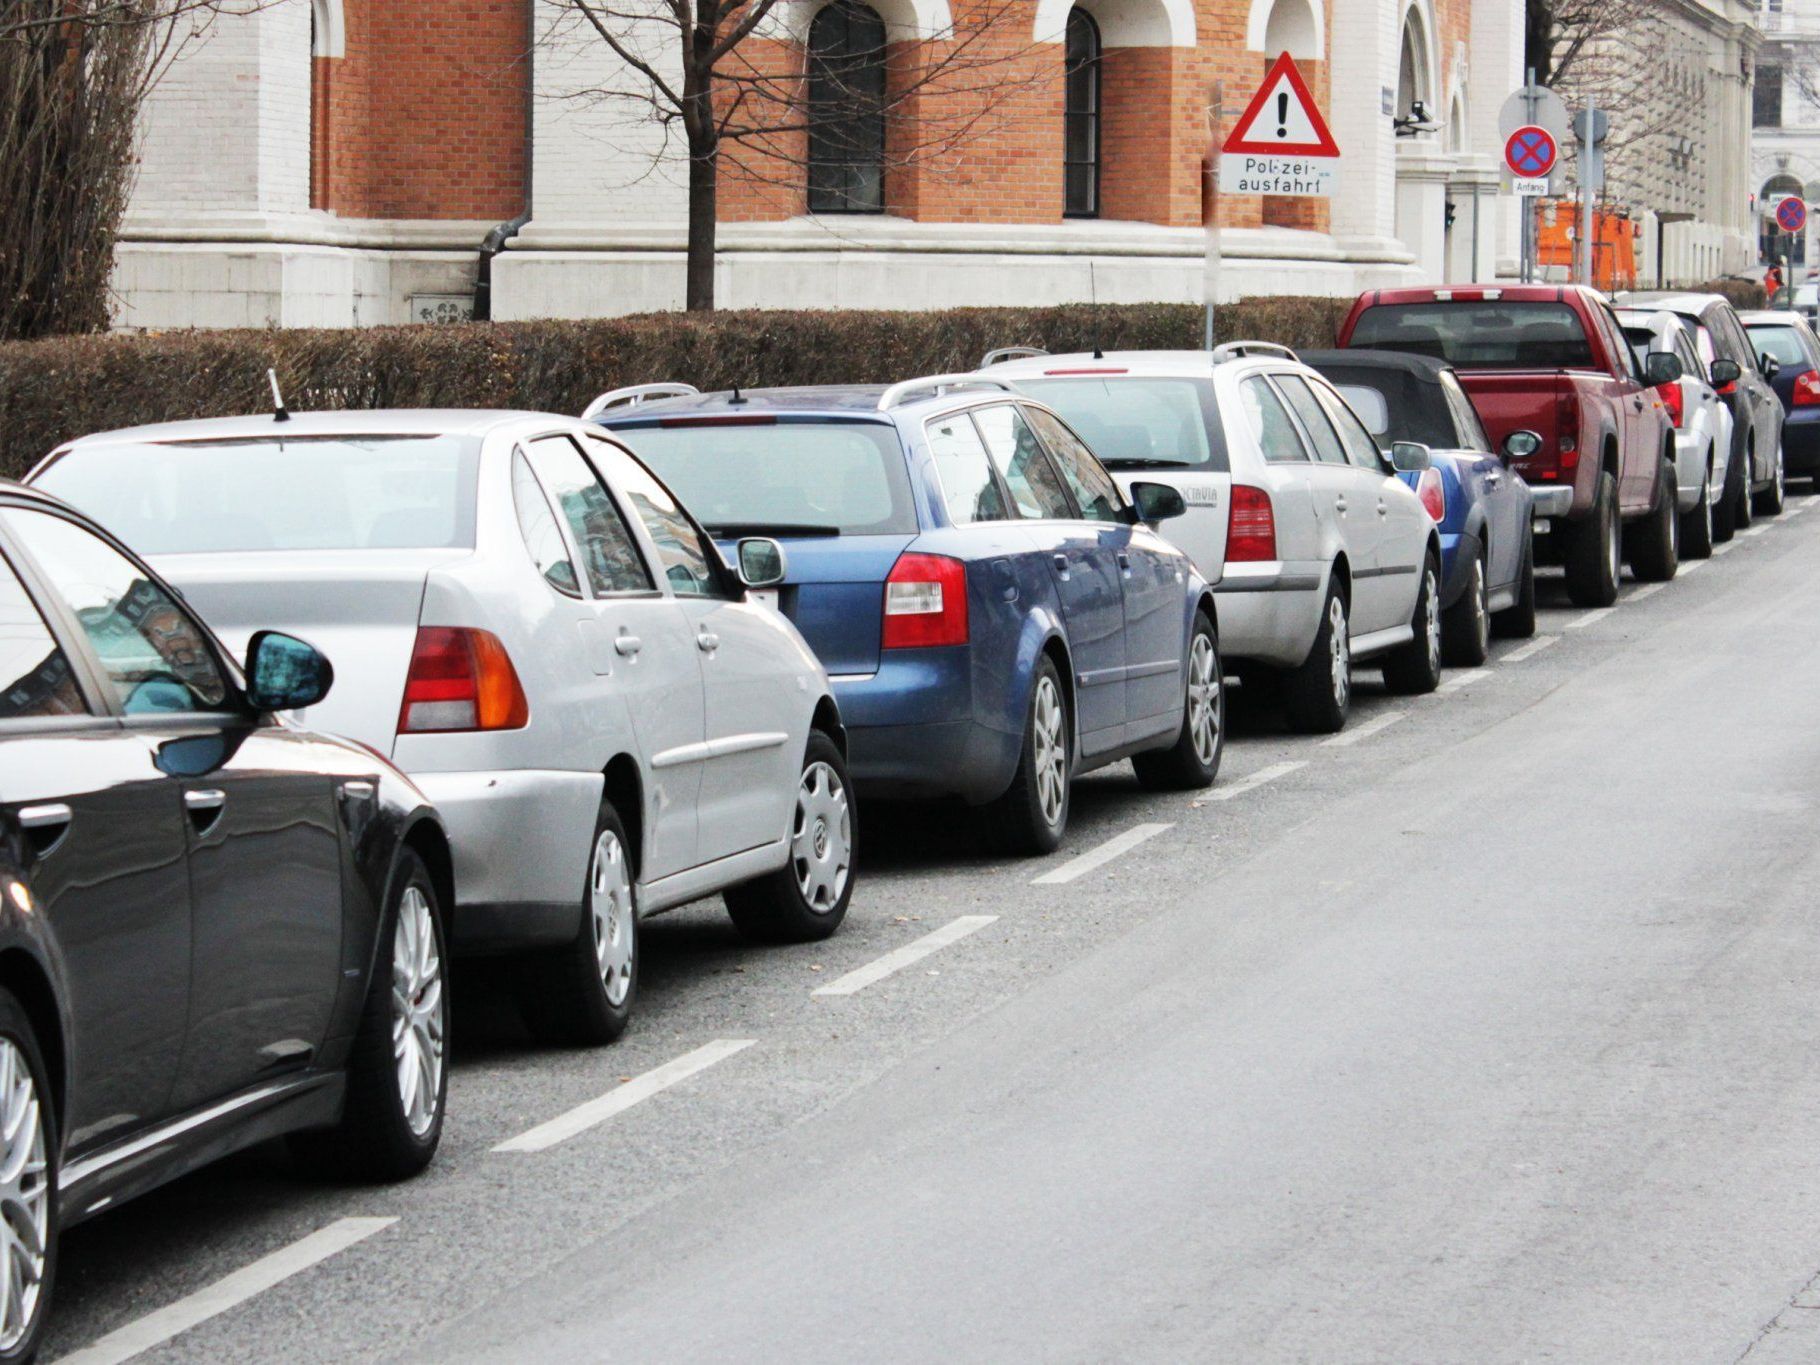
(1653, 544)
(1029, 817)
(1415, 668)
(806, 899)
(1697, 523)
(1466, 625)
(1317, 693)
(582, 994)
(1193, 761)
(1518, 620)
(1741, 506)
(1769, 502)
(385, 1134)
(1725, 511)
(25, 1100)
(1593, 551)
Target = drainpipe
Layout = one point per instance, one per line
(495, 240)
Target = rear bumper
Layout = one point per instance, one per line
(1550, 503)
(1270, 612)
(913, 729)
(1801, 441)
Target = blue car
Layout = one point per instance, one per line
(996, 616)
(1484, 510)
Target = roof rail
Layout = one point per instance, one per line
(1236, 350)
(635, 394)
(1010, 353)
(896, 394)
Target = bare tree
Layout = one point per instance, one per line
(747, 100)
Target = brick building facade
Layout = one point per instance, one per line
(335, 162)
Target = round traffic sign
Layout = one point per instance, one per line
(1530, 153)
(1791, 214)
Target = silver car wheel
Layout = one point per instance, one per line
(1614, 556)
(417, 1011)
(1481, 605)
(1339, 650)
(24, 1196)
(821, 843)
(610, 912)
(1431, 612)
(1051, 751)
(1203, 699)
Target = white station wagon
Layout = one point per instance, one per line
(524, 619)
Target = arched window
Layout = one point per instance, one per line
(1412, 68)
(1081, 116)
(847, 110)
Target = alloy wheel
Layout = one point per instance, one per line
(1614, 555)
(821, 843)
(24, 1196)
(417, 1011)
(1339, 651)
(610, 912)
(1481, 606)
(1051, 752)
(1431, 617)
(1204, 699)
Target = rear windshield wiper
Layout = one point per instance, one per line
(769, 528)
(1126, 462)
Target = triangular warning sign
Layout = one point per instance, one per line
(1281, 119)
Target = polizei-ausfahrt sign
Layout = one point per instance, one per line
(1281, 144)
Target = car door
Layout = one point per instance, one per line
(1758, 405)
(100, 833)
(1639, 410)
(1084, 566)
(1153, 576)
(754, 711)
(261, 823)
(1501, 492)
(632, 651)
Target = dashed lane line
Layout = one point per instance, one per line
(617, 1101)
(1464, 678)
(154, 1329)
(1099, 857)
(1589, 618)
(899, 958)
(1530, 650)
(1251, 782)
(1638, 594)
(1354, 733)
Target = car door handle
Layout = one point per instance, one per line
(1383, 508)
(1493, 480)
(1339, 505)
(707, 642)
(627, 645)
(1124, 561)
(204, 805)
(45, 825)
(1061, 564)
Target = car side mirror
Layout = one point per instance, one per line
(762, 562)
(284, 673)
(1520, 445)
(1410, 457)
(1767, 363)
(1726, 372)
(1661, 367)
(1157, 502)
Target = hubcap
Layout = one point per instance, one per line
(822, 842)
(417, 1011)
(610, 911)
(1481, 605)
(1204, 700)
(1339, 650)
(1431, 613)
(1051, 752)
(24, 1196)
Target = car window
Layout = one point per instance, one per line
(1035, 486)
(537, 524)
(688, 557)
(36, 680)
(1137, 421)
(968, 488)
(1780, 343)
(1640, 339)
(1703, 342)
(1731, 335)
(1094, 491)
(155, 658)
(1690, 358)
(1622, 356)
(1465, 415)
(1361, 446)
(1327, 447)
(1276, 434)
(608, 553)
(1479, 336)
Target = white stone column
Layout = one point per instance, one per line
(1421, 199)
(1363, 64)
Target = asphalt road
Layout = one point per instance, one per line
(1482, 1034)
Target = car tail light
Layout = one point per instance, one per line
(1807, 389)
(461, 679)
(1433, 494)
(1671, 399)
(1251, 530)
(925, 602)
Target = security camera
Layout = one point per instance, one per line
(1416, 121)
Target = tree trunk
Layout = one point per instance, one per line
(704, 166)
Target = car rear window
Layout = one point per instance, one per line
(807, 477)
(283, 493)
(1780, 344)
(1479, 335)
(1139, 421)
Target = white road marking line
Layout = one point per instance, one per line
(1534, 647)
(1726, 548)
(1251, 783)
(616, 1101)
(1758, 530)
(1589, 618)
(1795, 509)
(899, 958)
(1465, 678)
(1353, 734)
(1691, 566)
(154, 1329)
(1099, 857)
(1638, 594)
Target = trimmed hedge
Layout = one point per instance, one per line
(1741, 294)
(62, 387)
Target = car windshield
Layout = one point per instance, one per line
(1479, 336)
(811, 477)
(1781, 344)
(277, 493)
(1140, 422)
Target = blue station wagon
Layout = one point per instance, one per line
(996, 615)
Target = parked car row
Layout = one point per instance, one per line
(296, 709)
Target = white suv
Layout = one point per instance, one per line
(1320, 556)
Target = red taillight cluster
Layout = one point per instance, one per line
(1807, 389)
(1433, 493)
(1251, 528)
(925, 602)
(1671, 399)
(461, 679)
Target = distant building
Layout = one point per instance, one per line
(1785, 123)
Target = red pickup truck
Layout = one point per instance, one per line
(1551, 361)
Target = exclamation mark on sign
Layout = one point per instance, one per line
(1283, 115)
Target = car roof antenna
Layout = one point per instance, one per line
(735, 400)
(279, 412)
(1093, 295)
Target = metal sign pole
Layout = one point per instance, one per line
(1531, 102)
(1589, 152)
(1217, 117)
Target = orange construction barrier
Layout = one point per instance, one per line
(1614, 242)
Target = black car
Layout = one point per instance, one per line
(216, 926)
(1787, 339)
